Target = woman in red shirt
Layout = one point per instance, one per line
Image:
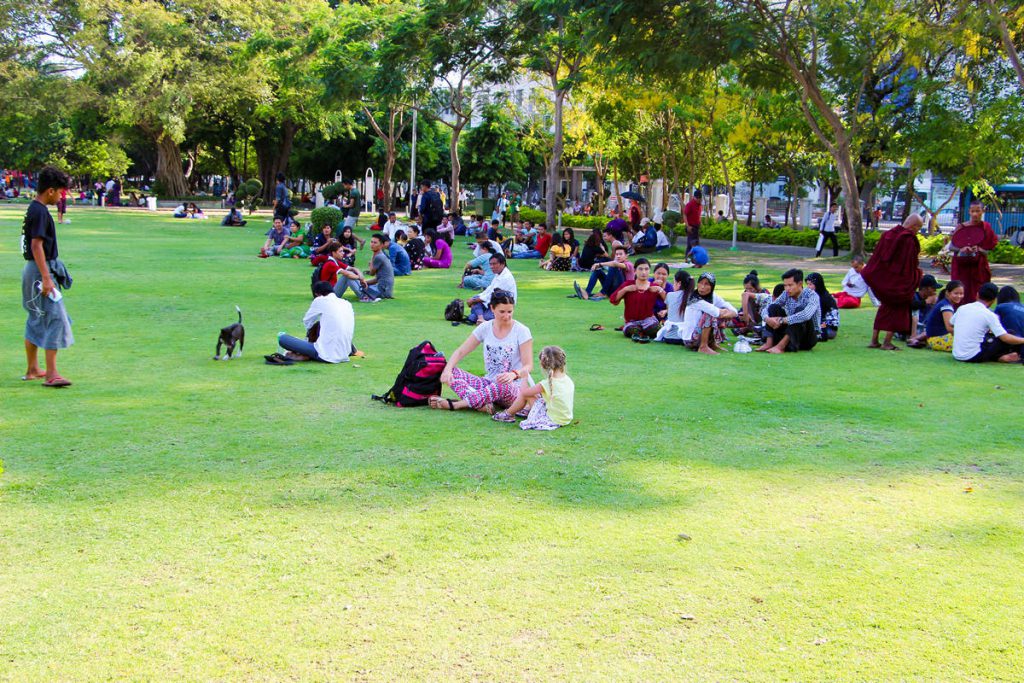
(639, 296)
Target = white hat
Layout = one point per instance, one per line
(644, 221)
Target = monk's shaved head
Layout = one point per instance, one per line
(913, 222)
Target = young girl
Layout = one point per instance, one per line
(939, 324)
(554, 396)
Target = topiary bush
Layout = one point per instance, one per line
(332, 191)
(326, 215)
(248, 195)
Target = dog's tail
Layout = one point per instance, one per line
(239, 314)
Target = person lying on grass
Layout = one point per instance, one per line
(794, 319)
(508, 360)
(639, 296)
(696, 314)
(552, 397)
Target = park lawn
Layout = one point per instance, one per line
(844, 514)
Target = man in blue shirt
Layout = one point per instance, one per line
(1010, 310)
(399, 256)
(282, 198)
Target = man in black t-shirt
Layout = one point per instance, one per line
(282, 198)
(44, 276)
(431, 207)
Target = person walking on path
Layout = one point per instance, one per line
(827, 230)
(971, 242)
(48, 326)
(893, 273)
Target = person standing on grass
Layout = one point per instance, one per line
(48, 326)
(893, 273)
(691, 214)
(353, 203)
(62, 206)
(282, 199)
(971, 243)
(827, 230)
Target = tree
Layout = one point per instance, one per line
(457, 44)
(491, 150)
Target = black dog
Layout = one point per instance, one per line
(229, 336)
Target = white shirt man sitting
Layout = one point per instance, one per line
(480, 304)
(979, 336)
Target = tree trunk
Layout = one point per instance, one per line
(750, 204)
(908, 192)
(453, 151)
(1011, 49)
(556, 159)
(599, 173)
(615, 188)
(169, 172)
(728, 185)
(851, 196)
(389, 166)
(272, 157)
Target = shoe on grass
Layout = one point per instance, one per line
(502, 417)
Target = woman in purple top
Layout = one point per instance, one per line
(442, 253)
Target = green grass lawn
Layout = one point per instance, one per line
(852, 514)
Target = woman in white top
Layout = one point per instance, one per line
(508, 360)
(694, 314)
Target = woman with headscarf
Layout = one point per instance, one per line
(829, 309)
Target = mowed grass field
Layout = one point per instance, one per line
(844, 514)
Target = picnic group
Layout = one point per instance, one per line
(970, 316)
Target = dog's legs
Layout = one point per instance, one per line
(216, 354)
(241, 342)
(228, 351)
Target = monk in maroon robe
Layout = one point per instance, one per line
(892, 273)
(971, 242)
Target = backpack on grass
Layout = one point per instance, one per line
(455, 311)
(419, 379)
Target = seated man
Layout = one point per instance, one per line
(399, 257)
(478, 274)
(234, 218)
(337, 326)
(277, 236)
(381, 285)
(480, 305)
(924, 298)
(1010, 310)
(541, 244)
(794, 319)
(854, 287)
(391, 226)
(611, 274)
(481, 239)
(979, 336)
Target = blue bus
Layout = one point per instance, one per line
(1006, 216)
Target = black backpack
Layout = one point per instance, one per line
(315, 277)
(455, 311)
(433, 209)
(419, 379)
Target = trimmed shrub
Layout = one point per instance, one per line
(332, 191)
(326, 215)
(1006, 252)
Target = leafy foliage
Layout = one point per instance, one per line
(326, 215)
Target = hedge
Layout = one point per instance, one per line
(326, 215)
(1003, 253)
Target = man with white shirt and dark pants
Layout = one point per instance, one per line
(978, 336)
(337, 327)
(480, 305)
(827, 230)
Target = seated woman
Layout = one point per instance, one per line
(593, 251)
(695, 314)
(659, 277)
(415, 247)
(829, 309)
(295, 244)
(569, 238)
(508, 360)
(754, 302)
(560, 255)
(478, 273)
(441, 253)
(180, 211)
(351, 243)
(639, 296)
(938, 326)
(195, 212)
(318, 250)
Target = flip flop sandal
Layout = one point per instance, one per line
(502, 417)
(576, 288)
(57, 382)
(596, 328)
(278, 359)
(26, 378)
(620, 328)
(439, 399)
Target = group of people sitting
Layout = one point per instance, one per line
(796, 316)
(189, 210)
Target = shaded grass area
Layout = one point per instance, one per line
(172, 516)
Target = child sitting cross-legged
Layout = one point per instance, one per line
(552, 407)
